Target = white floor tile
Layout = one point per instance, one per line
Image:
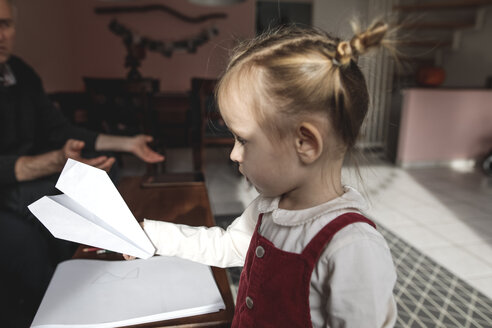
(390, 218)
(401, 201)
(460, 262)
(420, 237)
(459, 233)
(483, 284)
(464, 209)
(431, 214)
(482, 250)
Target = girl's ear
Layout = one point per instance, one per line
(309, 142)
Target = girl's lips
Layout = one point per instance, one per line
(244, 175)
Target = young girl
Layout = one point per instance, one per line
(295, 100)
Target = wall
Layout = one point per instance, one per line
(65, 41)
(442, 125)
(334, 16)
(472, 63)
(466, 69)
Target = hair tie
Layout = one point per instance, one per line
(344, 53)
(336, 62)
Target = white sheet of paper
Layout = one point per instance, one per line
(94, 293)
(91, 211)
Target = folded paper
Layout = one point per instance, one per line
(91, 211)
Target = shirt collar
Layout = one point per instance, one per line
(351, 199)
(7, 77)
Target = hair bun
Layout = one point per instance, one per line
(371, 38)
(361, 43)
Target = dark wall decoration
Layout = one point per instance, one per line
(145, 9)
(137, 45)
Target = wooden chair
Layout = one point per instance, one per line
(195, 121)
(120, 106)
(208, 128)
(72, 104)
(123, 107)
(176, 127)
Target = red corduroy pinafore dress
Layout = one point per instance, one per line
(274, 285)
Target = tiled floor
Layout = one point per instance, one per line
(444, 213)
(430, 296)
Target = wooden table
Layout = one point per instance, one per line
(187, 204)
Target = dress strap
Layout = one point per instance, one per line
(316, 246)
(258, 223)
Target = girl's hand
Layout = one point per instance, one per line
(129, 257)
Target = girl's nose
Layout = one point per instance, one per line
(236, 154)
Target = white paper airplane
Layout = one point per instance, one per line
(91, 211)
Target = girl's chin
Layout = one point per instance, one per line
(248, 181)
(251, 184)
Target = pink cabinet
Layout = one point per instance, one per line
(440, 125)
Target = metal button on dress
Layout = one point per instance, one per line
(260, 251)
(249, 302)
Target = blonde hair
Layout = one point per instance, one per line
(299, 71)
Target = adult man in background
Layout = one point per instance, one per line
(35, 142)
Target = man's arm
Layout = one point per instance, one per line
(38, 166)
(137, 145)
(33, 167)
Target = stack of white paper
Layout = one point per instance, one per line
(91, 211)
(94, 293)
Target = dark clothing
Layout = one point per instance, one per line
(29, 125)
(274, 284)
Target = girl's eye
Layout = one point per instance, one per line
(240, 140)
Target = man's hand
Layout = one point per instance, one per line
(136, 145)
(139, 147)
(73, 148)
(38, 166)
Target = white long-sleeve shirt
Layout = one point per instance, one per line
(352, 283)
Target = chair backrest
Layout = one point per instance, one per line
(120, 106)
(72, 104)
(201, 90)
(208, 127)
